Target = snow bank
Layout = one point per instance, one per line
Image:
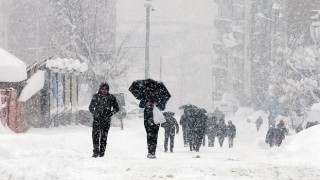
(314, 114)
(34, 84)
(306, 145)
(12, 69)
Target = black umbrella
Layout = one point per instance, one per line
(141, 88)
(168, 114)
(202, 110)
(188, 106)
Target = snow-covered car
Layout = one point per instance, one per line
(135, 113)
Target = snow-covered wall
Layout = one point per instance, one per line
(12, 69)
(34, 85)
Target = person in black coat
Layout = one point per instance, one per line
(259, 122)
(221, 131)
(271, 136)
(150, 101)
(171, 127)
(102, 106)
(212, 130)
(231, 133)
(281, 132)
(184, 123)
(197, 125)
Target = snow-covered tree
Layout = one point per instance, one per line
(86, 30)
(295, 79)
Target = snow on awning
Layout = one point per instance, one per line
(34, 85)
(12, 69)
(67, 65)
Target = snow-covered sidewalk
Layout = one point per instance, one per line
(65, 153)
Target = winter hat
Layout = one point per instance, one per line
(104, 84)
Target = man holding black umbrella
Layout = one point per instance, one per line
(152, 129)
(152, 94)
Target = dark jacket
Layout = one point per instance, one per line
(197, 122)
(103, 106)
(212, 126)
(160, 104)
(222, 129)
(231, 131)
(271, 135)
(183, 120)
(171, 124)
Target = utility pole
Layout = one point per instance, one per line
(147, 66)
(160, 69)
(37, 31)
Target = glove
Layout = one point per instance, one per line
(177, 132)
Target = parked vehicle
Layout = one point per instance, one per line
(135, 113)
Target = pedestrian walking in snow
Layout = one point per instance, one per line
(281, 132)
(152, 94)
(102, 106)
(184, 124)
(222, 131)
(197, 125)
(299, 128)
(259, 122)
(152, 129)
(212, 129)
(271, 136)
(171, 127)
(231, 133)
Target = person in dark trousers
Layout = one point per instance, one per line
(171, 127)
(184, 123)
(197, 125)
(212, 130)
(259, 122)
(281, 132)
(299, 128)
(231, 133)
(102, 106)
(222, 131)
(271, 136)
(150, 101)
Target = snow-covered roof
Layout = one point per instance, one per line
(65, 64)
(34, 85)
(12, 69)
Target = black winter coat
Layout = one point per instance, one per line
(103, 106)
(171, 124)
(231, 131)
(184, 120)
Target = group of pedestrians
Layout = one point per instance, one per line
(196, 125)
(194, 121)
(275, 135)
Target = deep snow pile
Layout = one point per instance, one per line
(12, 69)
(306, 145)
(314, 114)
(64, 153)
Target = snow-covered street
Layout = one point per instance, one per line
(65, 153)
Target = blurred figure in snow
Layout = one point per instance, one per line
(259, 122)
(231, 133)
(171, 127)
